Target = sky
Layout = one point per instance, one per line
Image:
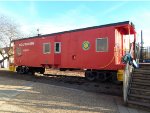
(56, 16)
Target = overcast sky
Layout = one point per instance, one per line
(58, 16)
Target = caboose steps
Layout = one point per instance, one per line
(144, 84)
(139, 88)
(147, 105)
(141, 80)
(142, 77)
(145, 66)
(141, 74)
(140, 96)
(146, 72)
(139, 91)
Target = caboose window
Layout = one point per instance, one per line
(102, 44)
(18, 51)
(46, 48)
(57, 47)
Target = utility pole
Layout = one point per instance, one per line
(141, 52)
(38, 32)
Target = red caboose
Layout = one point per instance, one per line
(98, 50)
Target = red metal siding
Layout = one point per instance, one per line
(33, 55)
(89, 59)
(72, 54)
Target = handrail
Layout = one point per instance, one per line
(127, 74)
(129, 59)
(126, 81)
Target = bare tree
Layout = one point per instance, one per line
(8, 32)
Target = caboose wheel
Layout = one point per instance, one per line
(102, 76)
(90, 76)
(115, 80)
(18, 69)
(42, 70)
(22, 70)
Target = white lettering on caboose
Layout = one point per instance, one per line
(27, 44)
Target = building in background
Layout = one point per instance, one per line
(9, 61)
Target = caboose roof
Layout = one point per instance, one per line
(118, 24)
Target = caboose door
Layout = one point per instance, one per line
(118, 47)
(57, 51)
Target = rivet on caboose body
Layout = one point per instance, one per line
(97, 50)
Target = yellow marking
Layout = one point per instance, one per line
(12, 68)
(120, 75)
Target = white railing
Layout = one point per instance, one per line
(127, 75)
(126, 81)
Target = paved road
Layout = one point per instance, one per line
(21, 96)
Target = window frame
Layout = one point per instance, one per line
(18, 51)
(59, 47)
(107, 44)
(44, 48)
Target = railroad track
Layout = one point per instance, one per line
(68, 79)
